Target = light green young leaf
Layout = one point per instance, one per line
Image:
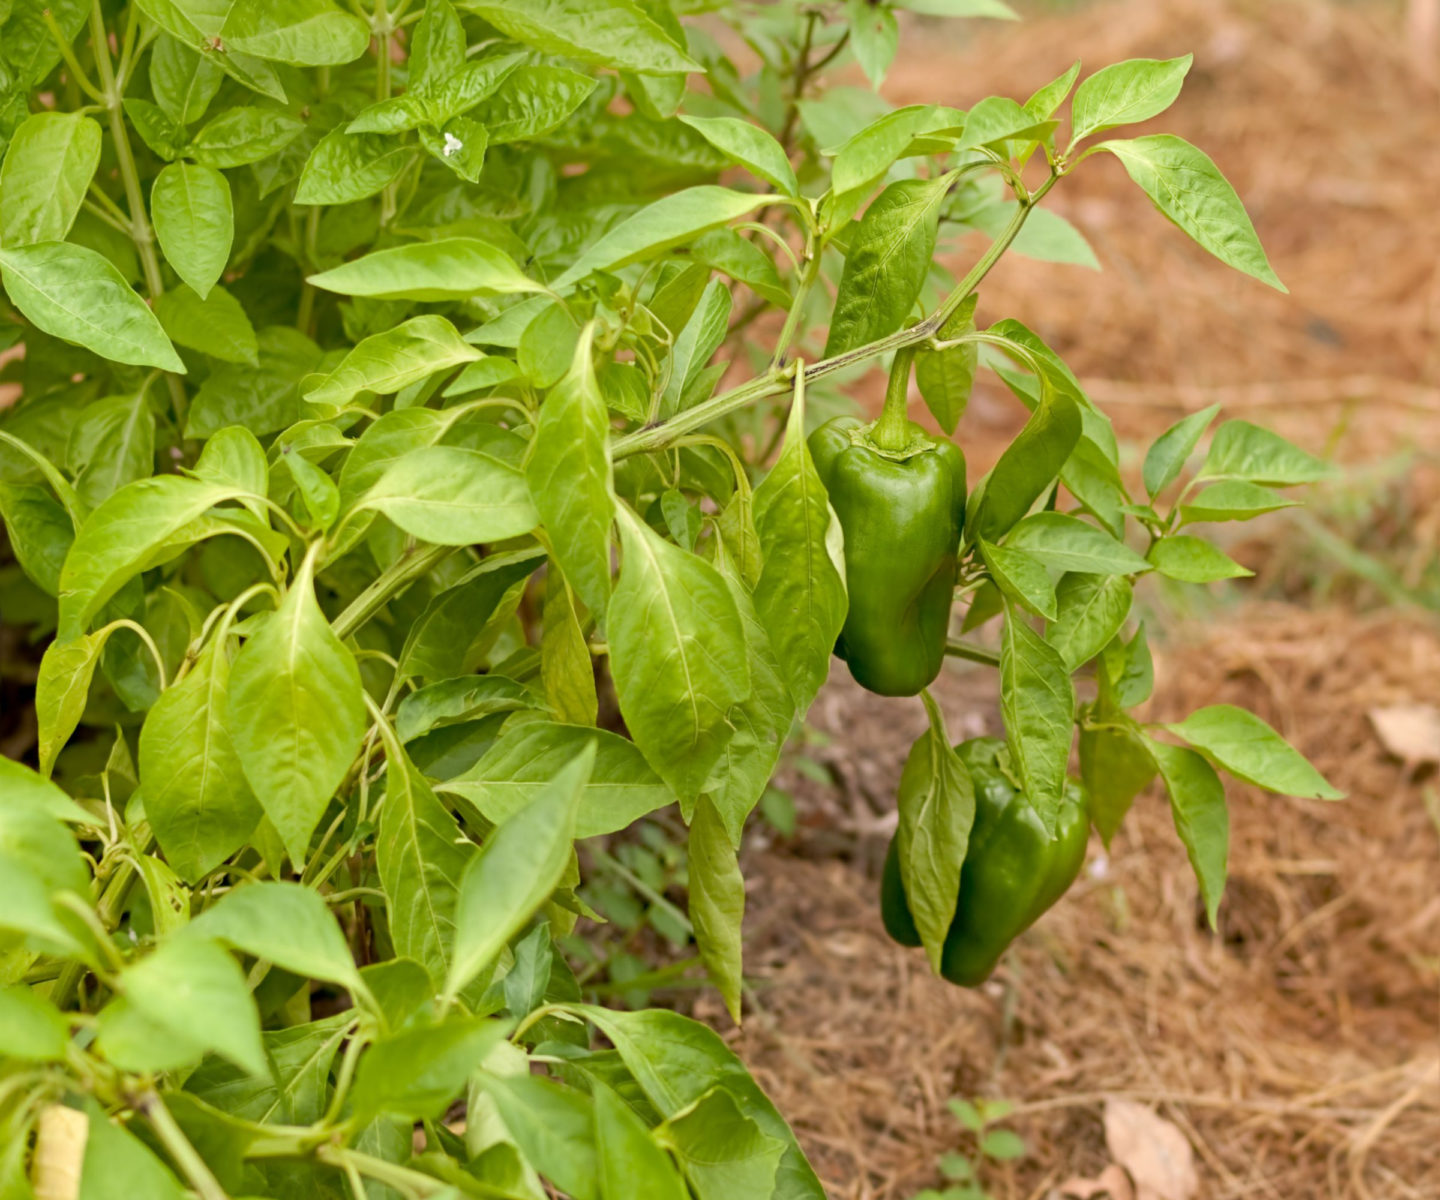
(571, 478)
(1232, 500)
(1197, 803)
(1127, 93)
(182, 81)
(25, 789)
(199, 24)
(49, 164)
(1046, 236)
(800, 598)
(296, 713)
(35, 1030)
(874, 38)
(1046, 100)
(937, 810)
(567, 671)
(668, 222)
(345, 167)
(1092, 608)
(887, 264)
(77, 295)
(750, 146)
(216, 325)
(518, 867)
(436, 47)
(1189, 189)
(702, 336)
(1194, 560)
(196, 797)
(112, 444)
(40, 532)
(1250, 750)
(419, 1071)
(868, 153)
(605, 33)
(62, 686)
(451, 496)
(1116, 766)
(1166, 458)
(459, 144)
(446, 269)
(677, 654)
(301, 33)
(384, 363)
(1241, 450)
(553, 1126)
(1037, 702)
(1020, 576)
(241, 136)
(717, 902)
(998, 119)
(1071, 544)
(118, 1164)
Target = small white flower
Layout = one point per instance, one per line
(452, 144)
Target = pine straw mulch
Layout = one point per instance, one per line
(1299, 1051)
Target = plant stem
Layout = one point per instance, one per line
(178, 1146)
(892, 430)
(777, 381)
(972, 653)
(395, 578)
(797, 303)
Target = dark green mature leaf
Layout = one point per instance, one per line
(567, 670)
(1166, 458)
(1197, 803)
(1190, 191)
(571, 479)
(263, 400)
(1127, 93)
(445, 269)
(606, 33)
(887, 263)
(1037, 702)
(1115, 766)
(40, 533)
(417, 1072)
(1092, 608)
(722, 1150)
(554, 1127)
(51, 159)
(1250, 750)
(629, 1161)
(946, 377)
(1029, 465)
(452, 701)
(76, 294)
(420, 854)
(117, 1164)
(937, 810)
(800, 598)
(717, 902)
(1127, 670)
(451, 496)
(296, 713)
(621, 788)
(302, 1055)
(1245, 451)
(677, 1061)
(1021, 576)
(678, 656)
(197, 799)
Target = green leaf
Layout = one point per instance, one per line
(241, 136)
(677, 654)
(1189, 190)
(1002, 1145)
(1241, 450)
(446, 269)
(1028, 467)
(1037, 702)
(25, 789)
(75, 294)
(554, 1127)
(1197, 803)
(460, 144)
(717, 902)
(750, 146)
(345, 167)
(1046, 236)
(1127, 669)
(385, 363)
(118, 1165)
(296, 713)
(420, 856)
(533, 101)
(302, 1056)
(1092, 608)
(567, 670)
(703, 334)
(197, 800)
(946, 377)
(263, 400)
(800, 598)
(61, 688)
(937, 810)
(874, 38)
(1046, 100)
(112, 444)
(1020, 576)
(571, 479)
(51, 159)
(216, 325)
(185, 998)
(1071, 544)
(998, 119)
(1250, 750)
(1233, 500)
(868, 153)
(1115, 766)
(520, 864)
(183, 82)
(301, 33)
(888, 261)
(1166, 458)
(1127, 93)
(451, 496)
(40, 533)
(629, 1161)
(620, 790)
(454, 701)
(604, 33)
(35, 1030)
(960, 8)
(668, 222)
(286, 924)
(677, 1061)
(417, 1072)
(200, 24)
(1194, 560)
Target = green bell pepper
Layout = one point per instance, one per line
(1014, 870)
(900, 496)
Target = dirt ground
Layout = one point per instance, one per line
(1297, 1054)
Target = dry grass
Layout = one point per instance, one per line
(1298, 1051)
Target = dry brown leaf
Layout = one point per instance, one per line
(1111, 1184)
(1411, 732)
(1154, 1152)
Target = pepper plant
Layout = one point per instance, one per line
(409, 480)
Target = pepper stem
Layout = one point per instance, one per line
(892, 430)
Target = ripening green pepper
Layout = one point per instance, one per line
(900, 496)
(1014, 870)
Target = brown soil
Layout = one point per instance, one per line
(1298, 1052)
